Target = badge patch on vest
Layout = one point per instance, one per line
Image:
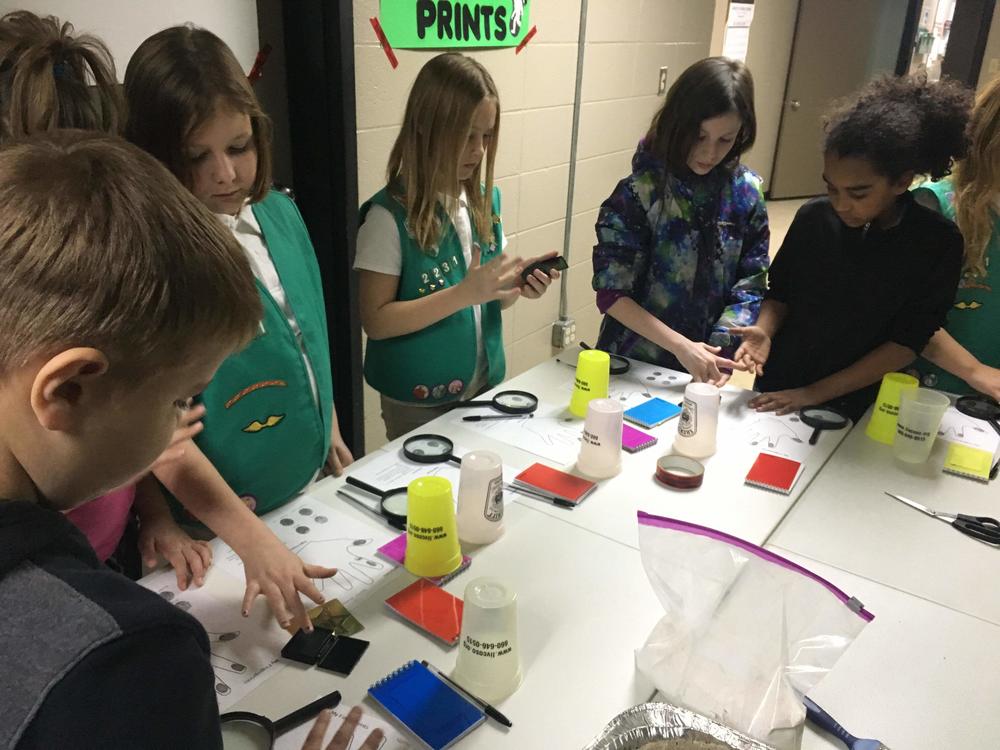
(455, 387)
(257, 425)
(256, 387)
(421, 392)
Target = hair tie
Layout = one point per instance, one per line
(60, 70)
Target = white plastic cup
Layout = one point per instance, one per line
(489, 660)
(601, 447)
(699, 420)
(480, 498)
(920, 414)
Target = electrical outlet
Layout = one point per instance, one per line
(563, 333)
(661, 88)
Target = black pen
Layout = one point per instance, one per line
(481, 417)
(490, 711)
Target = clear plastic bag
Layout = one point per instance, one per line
(745, 634)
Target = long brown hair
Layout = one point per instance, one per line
(709, 88)
(46, 74)
(424, 160)
(977, 179)
(174, 83)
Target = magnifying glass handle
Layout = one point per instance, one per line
(364, 486)
(300, 715)
(815, 436)
(455, 460)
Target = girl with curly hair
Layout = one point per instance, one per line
(965, 355)
(866, 275)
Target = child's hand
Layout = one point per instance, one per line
(705, 364)
(986, 379)
(784, 402)
(538, 281)
(277, 573)
(496, 279)
(189, 558)
(754, 349)
(189, 425)
(340, 456)
(342, 738)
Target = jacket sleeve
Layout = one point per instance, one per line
(928, 306)
(744, 297)
(621, 256)
(152, 689)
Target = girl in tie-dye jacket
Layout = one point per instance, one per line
(681, 252)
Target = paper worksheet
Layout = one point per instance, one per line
(245, 651)
(389, 469)
(393, 739)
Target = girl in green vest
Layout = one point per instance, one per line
(270, 426)
(965, 354)
(433, 274)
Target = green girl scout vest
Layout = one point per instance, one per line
(435, 365)
(973, 318)
(263, 430)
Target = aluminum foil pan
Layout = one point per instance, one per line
(668, 726)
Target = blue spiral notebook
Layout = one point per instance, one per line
(426, 705)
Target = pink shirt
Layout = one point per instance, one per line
(103, 519)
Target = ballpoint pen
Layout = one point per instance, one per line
(490, 711)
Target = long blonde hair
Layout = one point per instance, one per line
(977, 180)
(46, 74)
(424, 160)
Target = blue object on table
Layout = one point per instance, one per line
(824, 721)
(426, 705)
(983, 528)
(651, 413)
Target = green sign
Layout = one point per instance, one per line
(446, 24)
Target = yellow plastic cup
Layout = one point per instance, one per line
(593, 371)
(432, 547)
(882, 425)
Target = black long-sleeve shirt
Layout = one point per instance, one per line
(850, 290)
(89, 659)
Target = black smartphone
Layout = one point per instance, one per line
(557, 263)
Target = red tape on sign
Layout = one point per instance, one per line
(386, 47)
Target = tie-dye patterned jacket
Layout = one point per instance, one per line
(692, 251)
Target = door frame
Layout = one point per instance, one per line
(319, 80)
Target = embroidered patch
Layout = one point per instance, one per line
(438, 390)
(455, 387)
(968, 305)
(250, 501)
(257, 426)
(420, 392)
(256, 387)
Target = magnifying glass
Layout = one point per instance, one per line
(980, 407)
(244, 730)
(619, 365)
(822, 418)
(508, 402)
(430, 449)
(392, 503)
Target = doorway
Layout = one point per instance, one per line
(832, 56)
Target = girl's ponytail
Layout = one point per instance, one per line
(51, 79)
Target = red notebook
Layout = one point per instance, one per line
(430, 608)
(775, 473)
(559, 484)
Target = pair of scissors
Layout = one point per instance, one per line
(983, 528)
